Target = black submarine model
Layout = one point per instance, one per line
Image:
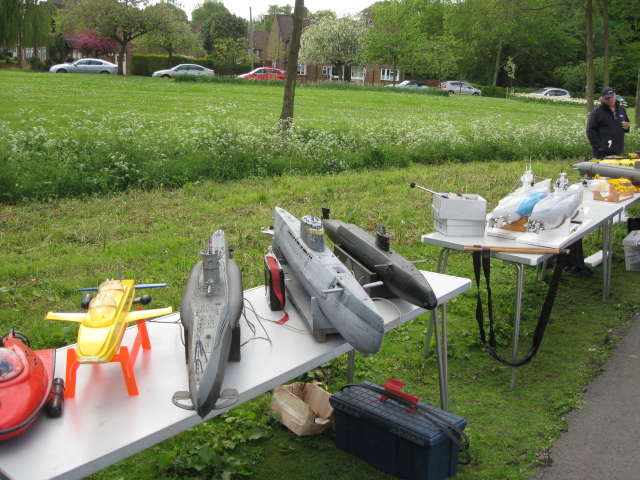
(340, 297)
(210, 311)
(399, 275)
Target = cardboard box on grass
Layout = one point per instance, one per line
(304, 408)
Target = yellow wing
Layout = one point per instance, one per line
(67, 316)
(143, 314)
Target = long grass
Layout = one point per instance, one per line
(74, 136)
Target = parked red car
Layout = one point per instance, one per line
(264, 73)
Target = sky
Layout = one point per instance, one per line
(258, 7)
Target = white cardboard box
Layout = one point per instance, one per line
(473, 207)
(631, 246)
(459, 228)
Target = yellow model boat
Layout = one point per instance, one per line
(102, 326)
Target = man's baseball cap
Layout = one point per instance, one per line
(607, 92)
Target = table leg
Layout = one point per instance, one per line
(443, 258)
(516, 323)
(607, 253)
(351, 363)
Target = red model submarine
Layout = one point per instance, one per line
(398, 274)
(26, 385)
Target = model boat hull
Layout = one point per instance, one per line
(210, 312)
(342, 300)
(26, 386)
(399, 275)
(519, 204)
(554, 210)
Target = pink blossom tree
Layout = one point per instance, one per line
(92, 45)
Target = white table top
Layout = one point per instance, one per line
(596, 214)
(103, 425)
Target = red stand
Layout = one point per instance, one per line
(127, 361)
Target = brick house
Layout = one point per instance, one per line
(275, 54)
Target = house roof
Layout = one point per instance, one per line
(260, 40)
(285, 24)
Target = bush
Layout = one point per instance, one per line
(37, 64)
(145, 65)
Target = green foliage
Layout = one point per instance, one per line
(37, 64)
(207, 452)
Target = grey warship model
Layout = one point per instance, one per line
(397, 273)
(340, 297)
(210, 312)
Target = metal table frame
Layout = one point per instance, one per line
(600, 214)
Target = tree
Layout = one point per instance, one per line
(93, 46)
(392, 35)
(286, 116)
(231, 50)
(120, 21)
(435, 57)
(173, 36)
(215, 22)
(27, 23)
(333, 41)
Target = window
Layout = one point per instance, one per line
(389, 74)
(29, 52)
(302, 69)
(42, 53)
(326, 70)
(358, 74)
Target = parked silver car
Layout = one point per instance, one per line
(462, 88)
(409, 84)
(553, 92)
(86, 65)
(183, 69)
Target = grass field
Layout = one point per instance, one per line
(49, 249)
(73, 136)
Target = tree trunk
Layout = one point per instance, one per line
(123, 52)
(590, 73)
(605, 40)
(286, 116)
(498, 60)
(637, 107)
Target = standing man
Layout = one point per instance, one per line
(607, 125)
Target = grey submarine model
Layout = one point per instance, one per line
(398, 274)
(339, 295)
(210, 311)
(609, 170)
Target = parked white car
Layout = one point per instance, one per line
(86, 65)
(553, 92)
(183, 69)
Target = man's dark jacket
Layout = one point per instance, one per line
(605, 132)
